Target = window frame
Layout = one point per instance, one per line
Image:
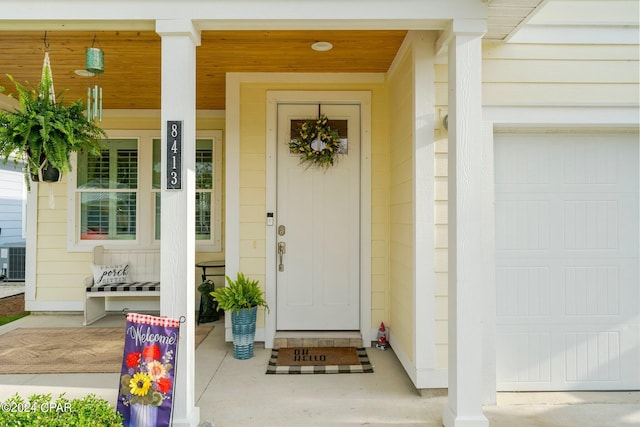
(145, 205)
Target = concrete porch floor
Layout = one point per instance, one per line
(231, 392)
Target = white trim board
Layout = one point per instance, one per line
(548, 116)
(57, 306)
(424, 378)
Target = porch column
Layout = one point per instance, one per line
(466, 267)
(177, 244)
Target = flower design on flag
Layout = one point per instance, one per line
(133, 359)
(140, 384)
(164, 385)
(146, 381)
(156, 370)
(151, 352)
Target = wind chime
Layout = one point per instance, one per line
(94, 65)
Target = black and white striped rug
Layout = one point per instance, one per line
(319, 360)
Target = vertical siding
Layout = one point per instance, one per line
(401, 204)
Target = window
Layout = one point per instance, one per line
(107, 189)
(117, 194)
(204, 187)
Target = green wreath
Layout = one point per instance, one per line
(317, 131)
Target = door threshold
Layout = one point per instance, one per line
(317, 339)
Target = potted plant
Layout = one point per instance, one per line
(44, 132)
(208, 304)
(241, 298)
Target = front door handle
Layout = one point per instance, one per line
(282, 249)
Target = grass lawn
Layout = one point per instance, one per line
(8, 319)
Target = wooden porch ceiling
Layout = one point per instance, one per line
(131, 79)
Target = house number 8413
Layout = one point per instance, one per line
(174, 154)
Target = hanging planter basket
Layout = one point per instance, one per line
(46, 172)
(44, 131)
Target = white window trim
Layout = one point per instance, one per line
(145, 237)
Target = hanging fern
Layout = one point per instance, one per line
(46, 130)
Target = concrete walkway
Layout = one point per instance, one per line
(9, 289)
(231, 392)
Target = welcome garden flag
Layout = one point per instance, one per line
(146, 382)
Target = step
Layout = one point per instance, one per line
(317, 339)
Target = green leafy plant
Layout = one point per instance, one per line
(240, 293)
(41, 410)
(43, 132)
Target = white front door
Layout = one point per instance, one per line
(318, 219)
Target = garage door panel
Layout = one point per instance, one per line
(523, 291)
(524, 356)
(589, 160)
(566, 357)
(523, 164)
(567, 267)
(522, 225)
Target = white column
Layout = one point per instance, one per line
(177, 245)
(466, 269)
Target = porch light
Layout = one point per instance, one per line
(321, 46)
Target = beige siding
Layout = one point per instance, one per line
(531, 75)
(517, 74)
(380, 233)
(59, 273)
(440, 254)
(253, 189)
(401, 205)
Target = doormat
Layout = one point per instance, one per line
(67, 350)
(319, 360)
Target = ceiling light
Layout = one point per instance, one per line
(322, 46)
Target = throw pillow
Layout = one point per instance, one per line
(110, 274)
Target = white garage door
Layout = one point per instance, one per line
(567, 232)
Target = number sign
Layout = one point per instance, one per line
(174, 154)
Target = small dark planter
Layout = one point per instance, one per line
(49, 174)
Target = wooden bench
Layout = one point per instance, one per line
(144, 279)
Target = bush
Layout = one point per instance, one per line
(40, 411)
